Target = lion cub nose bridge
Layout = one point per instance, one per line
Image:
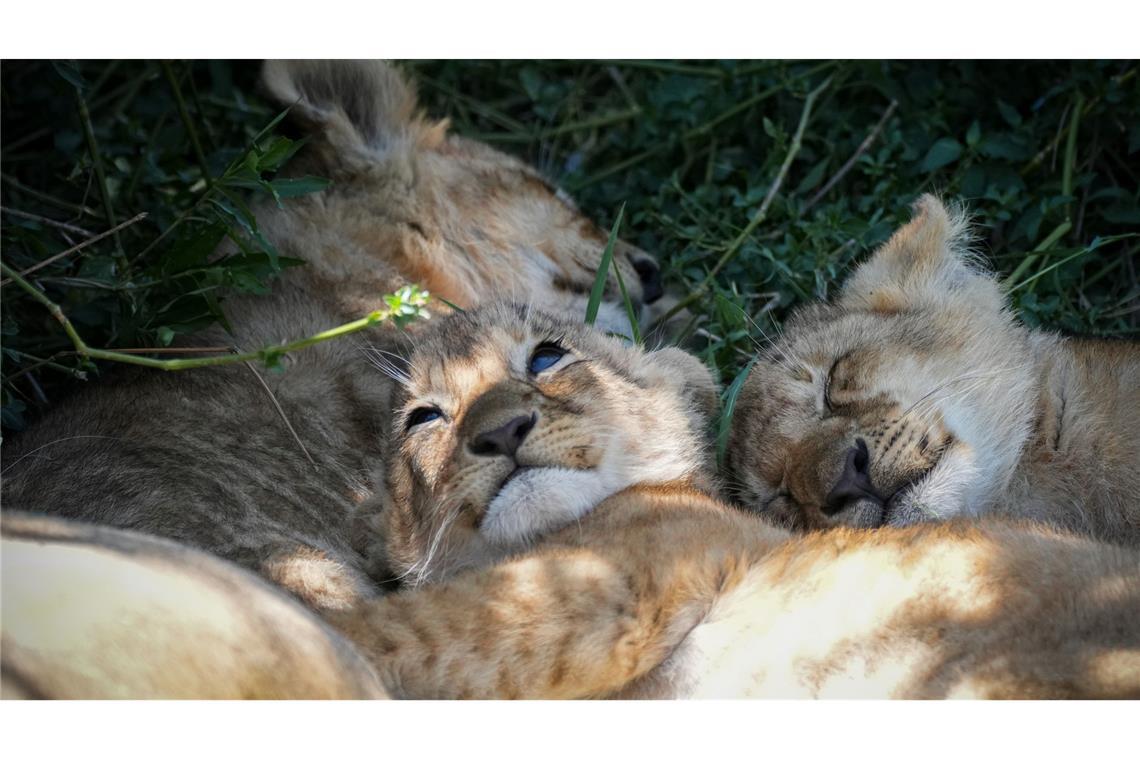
(506, 438)
(854, 483)
(500, 420)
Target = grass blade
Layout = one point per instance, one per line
(628, 306)
(728, 406)
(603, 271)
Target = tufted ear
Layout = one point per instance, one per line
(688, 375)
(924, 263)
(359, 112)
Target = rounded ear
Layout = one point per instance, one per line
(925, 262)
(361, 111)
(689, 376)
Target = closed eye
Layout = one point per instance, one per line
(827, 385)
(771, 500)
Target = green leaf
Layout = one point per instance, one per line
(69, 70)
(193, 250)
(165, 335)
(974, 133)
(1009, 113)
(599, 288)
(945, 151)
(629, 312)
(1005, 146)
(973, 183)
(728, 407)
(279, 150)
(1123, 214)
(293, 187)
(531, 81)
(814, 177)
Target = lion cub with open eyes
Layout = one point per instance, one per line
(916, 395)
(515, 423)
(549, 505)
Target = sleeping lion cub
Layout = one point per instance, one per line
(266, 468)
(917, 396)
(550, 508)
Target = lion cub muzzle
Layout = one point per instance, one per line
(506, 438)
(854, 484)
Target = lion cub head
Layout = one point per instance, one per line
(516, 423)
(417, 202)
(907, 398)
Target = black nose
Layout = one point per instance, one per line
(650, 275)
(854, 483)
(505, 439)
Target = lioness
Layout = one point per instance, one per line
(917, 395)
(529, 579)
(266, 468)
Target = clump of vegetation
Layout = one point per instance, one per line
(1043, 153)
(757, 184)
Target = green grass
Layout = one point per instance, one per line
(758, 184)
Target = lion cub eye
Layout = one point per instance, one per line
(423, 414)
(545, 357)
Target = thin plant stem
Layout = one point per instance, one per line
(1043, 246)
(698, 130)
(850, 164)
(265, 355)
(79, 247)
(50, 222)
(761, 213)
(101, 178)
(187, 122)
(51, 200)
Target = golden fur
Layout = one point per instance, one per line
(603, 416)
(917, 395)
(267, 468)
(94, 612)
(661, 590)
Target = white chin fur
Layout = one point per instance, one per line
(542, 500)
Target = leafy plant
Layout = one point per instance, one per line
(117, 149)
(756, 186)
(1043, 153)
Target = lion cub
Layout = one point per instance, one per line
(266, 468)
(513, 423)
(550, 508)
(917, 395)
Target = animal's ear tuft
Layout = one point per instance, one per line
(358, 110)
(925, 261)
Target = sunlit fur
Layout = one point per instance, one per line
(266, 467)
(606, 415)
(663, 591)
(91, 612)
(964, 410)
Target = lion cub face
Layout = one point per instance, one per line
(909, 398)
(456, 216)
(516, 423)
